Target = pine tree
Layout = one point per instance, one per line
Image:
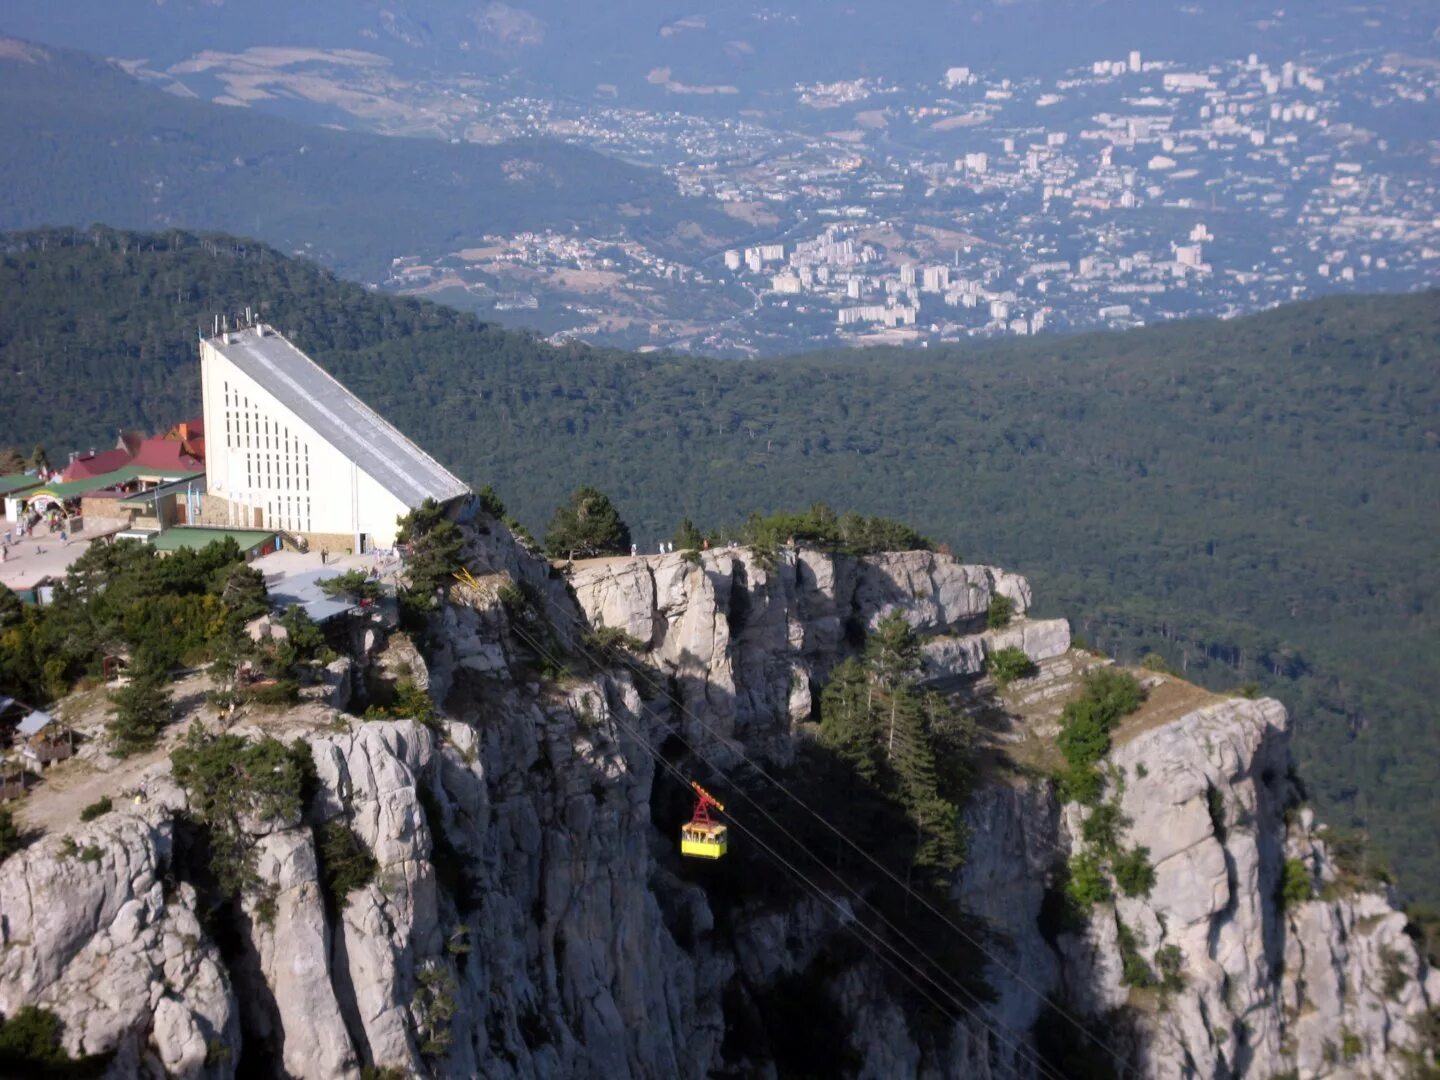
(436, 544)
(587, 525)
(893, 656)
(687, 536)
(244, 592)
(911, 756)
(142, 706)
(848, 723)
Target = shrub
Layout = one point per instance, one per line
(1103, 826)
(1296, 885)
(355, 584)
(1170, 962)
(490, 503)
(1155, 662)
(10, 840)
(1008, 664)
(30, 1039)
(1351, 1045)
(1086, 723)
(1134, 971)
(346, 864)
(1394, 976)
(1002, 610)
(1087, 885)
(1084, 785)
(409, 703)
(611, 645)
(274, 695)
(1215, 805)
(1133, 872)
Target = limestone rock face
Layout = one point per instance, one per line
(749, 642)
(948, 656)
(527, 916)
(1330, 987)
(92, 933)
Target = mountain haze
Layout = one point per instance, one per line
(86, 142)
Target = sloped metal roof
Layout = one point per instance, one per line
(360, 433)
(35, 723)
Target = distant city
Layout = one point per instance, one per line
(1124, 193)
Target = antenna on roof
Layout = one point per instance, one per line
(216, 331)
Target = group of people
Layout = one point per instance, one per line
(52, 522)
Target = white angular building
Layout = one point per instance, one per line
(289, 448)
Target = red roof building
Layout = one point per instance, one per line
(85, 466)
(166, 455)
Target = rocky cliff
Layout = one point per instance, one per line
(529, 917)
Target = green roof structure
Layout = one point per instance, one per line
(195, 538)
(9, 484)
(71, 488)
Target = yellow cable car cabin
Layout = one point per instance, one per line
(702, 837)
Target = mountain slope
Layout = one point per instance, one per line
(1254, 499)
(86, 142)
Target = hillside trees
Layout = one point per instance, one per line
(126, 598)
(901, 740)
(1246, 497)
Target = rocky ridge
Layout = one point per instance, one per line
(524, 890)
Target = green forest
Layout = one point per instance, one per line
(1256, 499)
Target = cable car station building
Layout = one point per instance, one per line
(289, 448)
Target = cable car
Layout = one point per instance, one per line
(703, 837)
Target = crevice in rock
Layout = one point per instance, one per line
(1226, 914)
(344, 987)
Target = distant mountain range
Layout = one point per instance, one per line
(86, 142)
(757, 47)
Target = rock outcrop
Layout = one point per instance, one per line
(528, 918)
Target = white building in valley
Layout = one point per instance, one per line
(289, 448)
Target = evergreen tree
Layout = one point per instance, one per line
(142, 706)
(893, 656)
(688, 536)
(848, 723)
(892, 652)
(435, 543)
(244, 592)
(12, 610)
(909, 751)
(586, 526)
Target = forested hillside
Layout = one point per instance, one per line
(86, 142)
(1255, 499)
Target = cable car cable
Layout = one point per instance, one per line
(1119, 1058)
(1021, 1051)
